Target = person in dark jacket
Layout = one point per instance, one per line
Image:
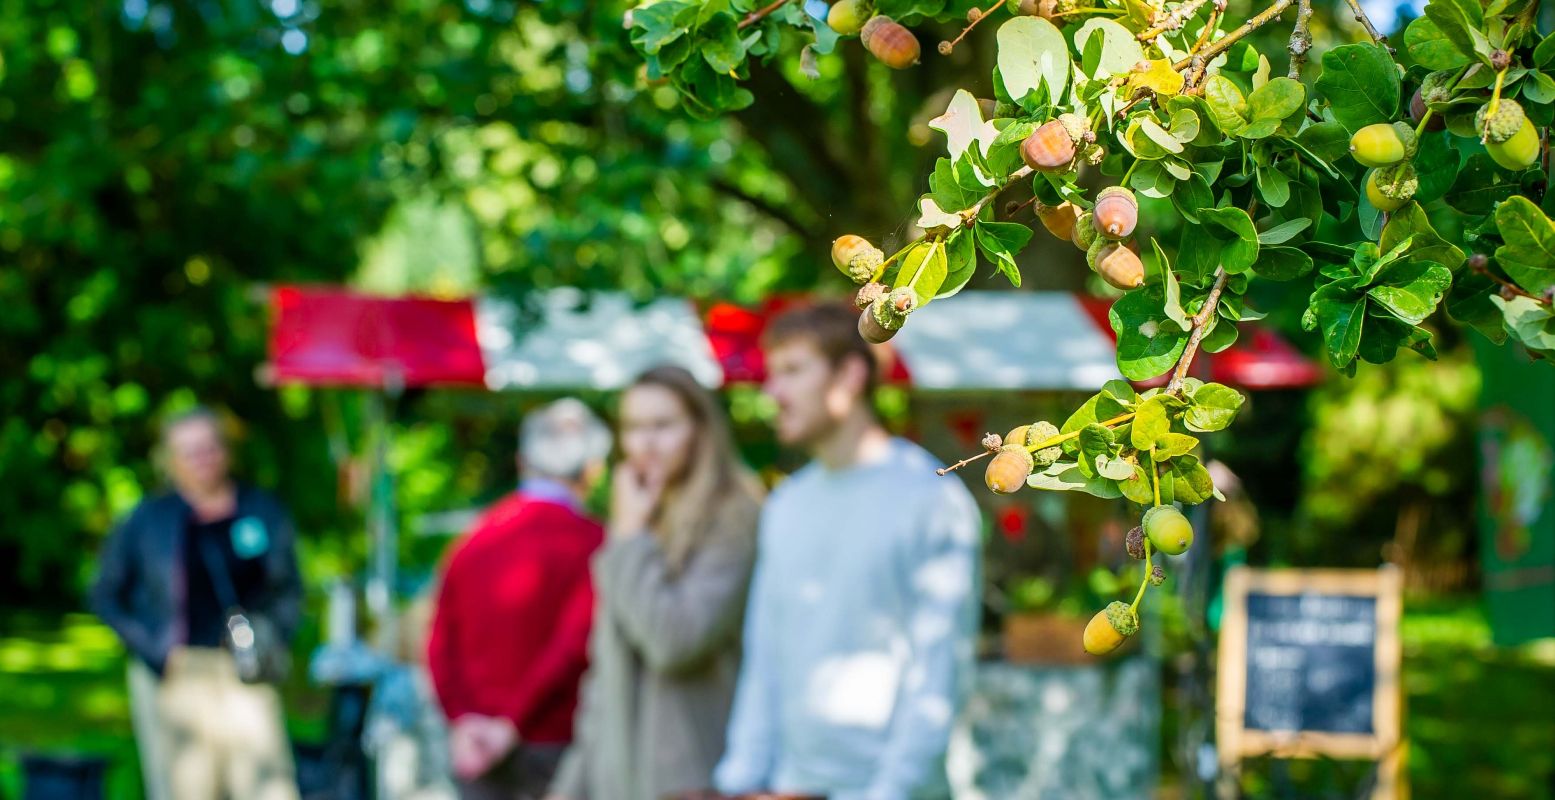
(170, 574)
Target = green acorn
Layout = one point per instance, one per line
(1168, 530)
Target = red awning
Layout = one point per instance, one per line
(332, 336)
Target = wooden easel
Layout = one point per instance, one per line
(1385, 744)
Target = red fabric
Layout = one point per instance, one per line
(332, 336)
(1259, 359)
(510, 632)
(735, 334)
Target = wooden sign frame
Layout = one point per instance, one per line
(1384, 744)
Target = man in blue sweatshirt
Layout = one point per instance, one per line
(859, 631)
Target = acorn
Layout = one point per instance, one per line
(1518, 152)
(1037, 433)
(1509, 119)
(846, 17)
(1500, 59)
(1119, 266)
(1017, 434)
(1109, 628)
(1008, 470)
(1049, 148)
(992, 442)
(1417, 109)
(1168, 530)
(892, 44)
(1037, 8)
(884, 317)
(1116, 213)
(1378, 145)
(856, 258)
(1390, 188)
(1059, 220)
(1157, 575)
(1084, 232)
(1134, 543)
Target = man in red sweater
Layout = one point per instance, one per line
(509, 636)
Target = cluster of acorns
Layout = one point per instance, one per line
(1168, 531)
(884, 309)
(884, 38)
(1059, 146)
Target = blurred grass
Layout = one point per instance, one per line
(62, 691)
(1481, 721)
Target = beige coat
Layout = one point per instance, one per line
(663, 658)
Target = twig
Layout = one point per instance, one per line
(969, 26)
(1300, 39)
(1223, 44)
(1043, 445)
(942, 471)
(1495, 104)
(1512, 287)
(1200, 321)
(970, 214)
(1360, 16)
(1171, 22)
(761, 13)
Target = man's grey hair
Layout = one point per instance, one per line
(561, 439)
(199, 413)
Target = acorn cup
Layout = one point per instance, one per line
(1390, 188)
(1116, 213)
(888, 41)
(1109, 628)
(1008, 470)
(1083, 235)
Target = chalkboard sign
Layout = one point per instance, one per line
(1309, 664)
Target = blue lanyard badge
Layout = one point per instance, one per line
(249, 537)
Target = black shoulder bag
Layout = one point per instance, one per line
(252, 638)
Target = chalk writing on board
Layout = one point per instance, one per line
(1311, 662)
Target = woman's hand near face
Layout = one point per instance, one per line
(634, 496)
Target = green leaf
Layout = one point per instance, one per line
(1239, 249)
(1539, 88)
(1341, 319)
(1095, 440)
(1192, 195)
(1227, 106)
(960, 262)
(1149, 140)
(1173, 292)
(1114, 469)
(1436, 164)
(1544, 54)
(1150, 423)
(1214, 407)
(1031, 52)
(1174, 444)
(1480, 185)
(1191, 482)
(963, 126)
(1459, 27)
(1219, 335)
(721, 46)
(1114, 53)
(1528, 257)
(1411, 223)
(1000, 241)
(1277, 99)
(1411, 290)
(1469, 303)
(1532, 322)
(1082, 416)
(1326, 140)
(1361, 83)
(1273, 186)
(1282, 263)
(1184, 124)
(1137, 487)
(948, 193)
(1116, 398)
(924, 269)
(1430, 48)
(1198, 255)
(1064, 476)
(1148, 343)
(1283, 232)
(931, 216)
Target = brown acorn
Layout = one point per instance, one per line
(892, 44)
(1119, 266)
(1417, 112)
(1049, 148)
(1059, 220)
(1116, 213)
(1008, 470)
(871, 330)
(1037, 8)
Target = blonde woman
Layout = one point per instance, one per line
(670, 588)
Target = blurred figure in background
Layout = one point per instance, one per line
(862, 608)
(206, 723)
(510, 631)
(671, 583)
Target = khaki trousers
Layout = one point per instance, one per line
(215, 737)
